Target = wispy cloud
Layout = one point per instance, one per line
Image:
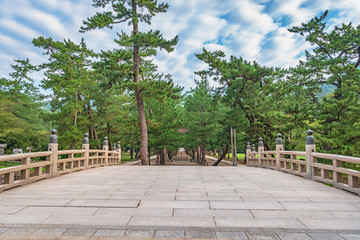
(252, 29)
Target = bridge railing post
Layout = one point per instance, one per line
(310, 148)
(54, 148)
(86, 147)
(260, 150)
(106, 148)
(279, 148)
(247, 153)
(119, 150)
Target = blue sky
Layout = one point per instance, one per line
(252, 29)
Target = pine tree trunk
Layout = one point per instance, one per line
(221, 156)
(232, 145)
(136, 153)
(157, 158)
(139, 99)
(203, 154)
(235, 150)
(131, 153)
(198, 154)
(90, 121)
(161, 158)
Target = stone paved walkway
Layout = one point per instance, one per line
(179, 202)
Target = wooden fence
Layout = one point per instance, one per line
(339, 171)
(40, 165)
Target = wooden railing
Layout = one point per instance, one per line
(290, 162)
(31, 167)
(339, 171)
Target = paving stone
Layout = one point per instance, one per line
(174, 204)
(20, 231)
(58, 211)
(245, 205)
(170, 234)
(206, 198)
(231, 235)
(331, 224)
(346, 215)
(292, 214)
(18, 218)
(277, 199)
(36, 202)
(258, 223)
(80, 232)
(139, 233)
(263, 236)
(104, 203)
(3, 229)
(10, 209)
(350, 236)
(294, 236)
(200, 234)
(356, 204)
(49, 232)
(212, 213)
(325, 236)
(172, 221)
(109, 233)
(87, 220)
(139, 212)
(320, 206)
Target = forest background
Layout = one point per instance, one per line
(99, 92)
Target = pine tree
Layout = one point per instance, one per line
(67, 75)
(334, 61)
(141, 44)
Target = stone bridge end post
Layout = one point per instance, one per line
(247, 153)
(279, 148)
(260, 149)
(54, 148)
(86, 147)
(119, 150)
(310, 148)
(106, 148)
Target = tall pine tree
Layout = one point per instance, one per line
(141, 44)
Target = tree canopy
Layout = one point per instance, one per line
(120, 93)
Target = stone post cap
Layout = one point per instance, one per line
(253, 148)
(86, 138)
(106, 142)
(248, 145)
(53, 137)
(261, 144)
(278, 140)
(118, 145)
(114, 146)
(310, 140)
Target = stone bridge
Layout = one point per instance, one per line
(177, 202)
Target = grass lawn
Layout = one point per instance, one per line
(240, 156)
(125, 157)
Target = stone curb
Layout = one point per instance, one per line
(167, 228)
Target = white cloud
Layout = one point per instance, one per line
(243, 28)
(19, 29)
